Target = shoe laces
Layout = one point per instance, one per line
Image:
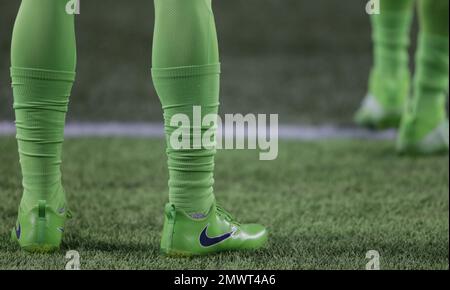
(226, 215)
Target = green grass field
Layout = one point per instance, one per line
(326, 204)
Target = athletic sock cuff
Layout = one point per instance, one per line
(186, 71)
(39, 89)
(42, 74)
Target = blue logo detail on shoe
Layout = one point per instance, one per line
(18, 232)
(198, 216)
(206, 241)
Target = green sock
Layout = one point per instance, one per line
(185, 74)
(390, 75)
(391, 29)
(432, 63)
(43, 64)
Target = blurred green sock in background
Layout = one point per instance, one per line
(426, 119)
(432, 60)
(389, 82)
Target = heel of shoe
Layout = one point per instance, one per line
(167, 234)
(40, 230)
(167, 243)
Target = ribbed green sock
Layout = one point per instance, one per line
(186, 74)
(432, 65)
(43, 64)
(390, 77)
(40, 102)
(191, 170)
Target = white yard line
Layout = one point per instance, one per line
(156, 130)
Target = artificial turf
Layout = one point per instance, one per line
(326, 204)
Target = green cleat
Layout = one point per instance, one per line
(414, 140)
(374, 116)
(184, 235)
(383, 107)
(39, 228)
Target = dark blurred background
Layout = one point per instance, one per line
(307, 60)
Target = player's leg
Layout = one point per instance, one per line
(390, 77)
(186, 73)
(43, 70)
(425, 124)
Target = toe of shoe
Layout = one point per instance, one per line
(256, 235)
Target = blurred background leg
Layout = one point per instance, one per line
(390, 78)
(426, 120)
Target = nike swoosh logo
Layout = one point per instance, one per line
(18, 232)
(206, 241)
